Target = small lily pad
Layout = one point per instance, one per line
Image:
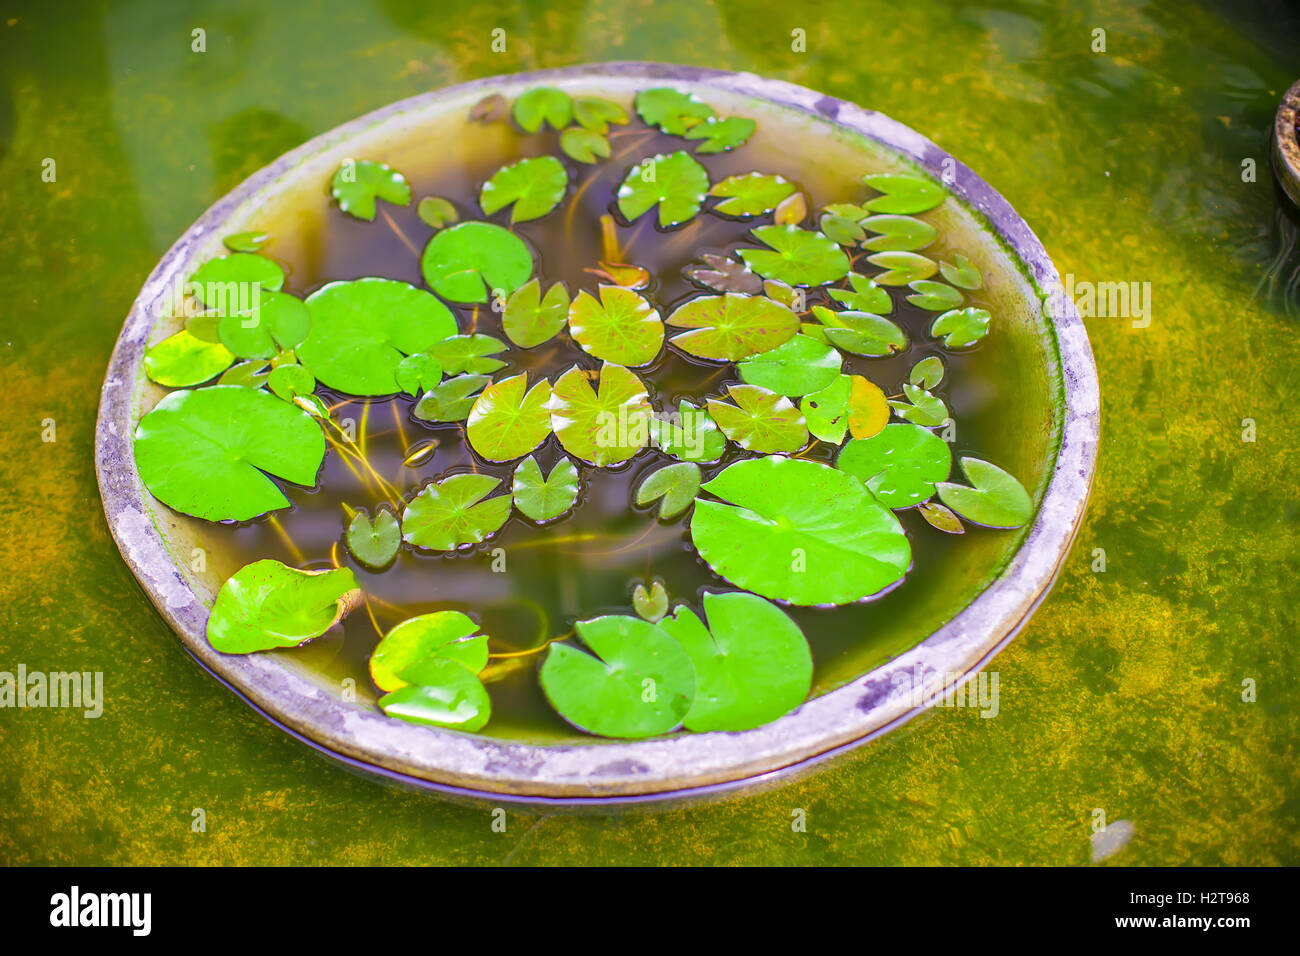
(898, 233)
(934, 296)
(584, 145)
(902, 268)
(671, 110)
(751, 194)
(605, 425)
(731, 327)
(509, 419)
(418, 373)
(927, 373)
(797, 256)
(441, 693)
(451, 400)
(676, 183)
(864, 296)
(545, 499)
(636, 682)
(673, 486)
(249, 241)
(468, 262)
(961, 328)
(861, 333)
(841, 229)
(724, 275)
(996, 500)
(453, 513)
(651, 605)
(531, 318)
(279, 322)
(827, 412)
(721, 135)
(868, 408)
(535, 186)
(621, 327)
(540, 105)
(596, 114)
(265, 605)
(468, 353)
(623, 274)
(963, 274)
(690, 435)
(796, 367)
(289, 381)
(449, 635)
(247, 374)
(760, 421)
(374, 542)
(791, 210)
(900, 466)
(903, 195)
(436, 212)
(358, 184)
(216, 282)
(921, 407)
(941, 517)
(182, 360)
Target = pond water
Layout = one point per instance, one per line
(1125, 692)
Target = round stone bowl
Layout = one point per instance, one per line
(1057, 423)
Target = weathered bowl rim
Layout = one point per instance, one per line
(611, 773)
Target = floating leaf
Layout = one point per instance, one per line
(900, 466)
(671, 110)
(531, 318)
(287, 382)
(860, 332)
(924, 409)
(841, 229)
(265, 605)
(488, 109)
(964, 275)
(903, 195)
(182, 360)
(451, 400)
(535, 186)
(650, 605)
(864, 296)
(247, 374)
(868, 408)
(208, 452)
(846, 209)
(690, 435)
(791, 210)
(941, 517)
(961, 328)
(760, 421)
(449, 635)
(796, 367)
(752, 194)
(798, 531)
(902, 267)
(827, 412)
(453, 513)
(509, 419)
(245, 241)
(596, 114)
(778, 291)
(441, 693)
(721, 135)
(467, 262)
(361, 329)
(584, 145)
(358, 184)
(419, 452)
(997, 500)
(468, 353)
(731, 327)
(677, 183)
(934, 296)
(217, 282)
(637, 682)
(622, 327)
(752, 663)
(545, 499)
(603, 426)
(622, 274)
(927, 373)
(436, 212)
(417, 373)
(277, 323)
(724, 275)
(898, 233)
(543, 104)
(374, 543)
(673, 486)
(797, 256)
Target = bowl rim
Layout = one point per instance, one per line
(606, 773)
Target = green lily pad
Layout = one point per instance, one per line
(584, 145)
(468, 262)
(671, 110)
(829, 412)
(531, 318)
(900, 465)
(651, 605)
(266, 605)
(731, 327)
(596, 114)
(963, 274)
(941, 518)
(621, 327)
(961, 328)
(279, 323)
(451, 400)
(468, 353)
(208, 452)
(927, 373)
(357, 185)
(752, 663)
(903, 195)
(441, 693)
(545, 499)
(417, 373)
(934, 296)
(760, 421)
(796, 367)
(861, 333)
(361, 329)
(721, 135)
(216, 282)
(921, 408)
(287, 382)
(535, 186)
(864, 296)
(673, 486)
(997, 500)
(374, 543)
(898, 233)
(637, 682)
(249, 241)
(509, 419)
(543, 104)
(453, 513)
(247, 374)
(902, 268)
(840, 229)
(797, 256)
(798, 531)
(182, 360)
(751, 194)
(676, 183)
(605, 425)
(436, 212)
(449, 635)
(690, 435)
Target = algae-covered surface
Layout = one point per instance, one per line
(1161, 690)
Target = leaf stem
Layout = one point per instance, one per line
(400, 235)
